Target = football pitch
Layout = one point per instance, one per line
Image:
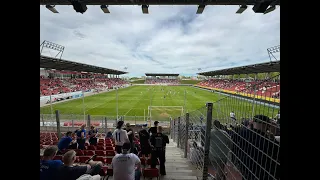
(166, 101)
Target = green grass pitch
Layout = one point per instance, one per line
(134, 101)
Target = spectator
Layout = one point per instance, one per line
(120, 136)
(130, 136)
(158, 142)
(126, 166)
(220, 145)
(109, 134)
(66, 142)
(260, 153)
(71, 172)
(145, 142)
(153, 130)
(81, 137)
(48, 166)
(93, 136)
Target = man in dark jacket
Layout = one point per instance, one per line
(158, 142)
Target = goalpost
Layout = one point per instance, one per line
(164, 113)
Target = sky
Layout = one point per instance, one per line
(170, 39)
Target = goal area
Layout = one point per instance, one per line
(164, 113)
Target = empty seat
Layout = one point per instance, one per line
(100, 153)
(100, 148)
(83, 159)
(88, 153)
(109, 148)
(151, 173)
(110, 153)
(79, 152)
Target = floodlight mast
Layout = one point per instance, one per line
(53, 46)
(271, 50)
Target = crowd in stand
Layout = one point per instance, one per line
(52, 86)
(252, 147)
(162, 81)
(261, 88)
(115, 154)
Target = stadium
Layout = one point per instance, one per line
(243, 102)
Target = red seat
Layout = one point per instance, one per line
(108, 148)
(108, 160)
(143, 161)
(57, 157)
(79, 152)
(91, 148)
(88, 153)
(109, 144)
(100, 153)
(151, 173)
(100, 144)
(83, 159)
(100, 158)
(149, 162)
(110, 153)
(100, 148)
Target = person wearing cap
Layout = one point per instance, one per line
(120, 136)
(69, 171)
(130, 136)
(153, 130)
(126, 166)
(158, 144)
(144, 137)
(66, 141)
(49, 167)
(260, 152)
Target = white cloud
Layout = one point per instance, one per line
(171, 39)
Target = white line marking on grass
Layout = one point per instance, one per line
(128, 112)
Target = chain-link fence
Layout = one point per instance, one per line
(237, 137)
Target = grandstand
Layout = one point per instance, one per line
(162, 79)
(62, 79)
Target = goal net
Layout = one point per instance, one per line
(164, 113)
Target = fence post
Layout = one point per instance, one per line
(186, 136)
(105, 125)
(179, 133)
(58, 123)
(135, 120)
(174, 133)
(207, 142)
(171, 128)
(89, 122)
(42, 119)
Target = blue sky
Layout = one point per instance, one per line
(170, 39)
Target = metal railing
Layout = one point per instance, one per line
(235, 138)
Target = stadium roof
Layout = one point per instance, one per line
(60, 64)
(160, 74)
(155, 2)
(267, 67)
